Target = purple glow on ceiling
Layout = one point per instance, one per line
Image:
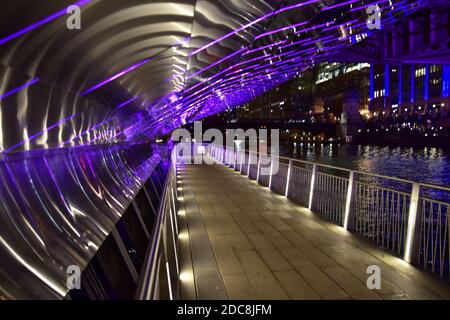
(15, 90)
(41, 22)
(114, 77)
(243, 75)
(264, 17)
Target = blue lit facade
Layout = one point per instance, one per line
(410, 89)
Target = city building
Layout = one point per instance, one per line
(318, 92)
(410, 90)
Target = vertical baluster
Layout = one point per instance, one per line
(435, 238)
(271, 172)
(258, 169)
(248, 165)
(441, 243)
(422, 241)
(288, 178)
(447, 230)
(411, 246)
(348, 202)
(430, 222)
(311, 190)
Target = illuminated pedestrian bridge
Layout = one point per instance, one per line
(94, 206)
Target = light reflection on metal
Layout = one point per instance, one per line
(66, 206)
(39, 133)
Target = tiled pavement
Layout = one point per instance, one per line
(248, 243)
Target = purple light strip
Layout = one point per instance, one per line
(40, 23)
(265, 47)
(39, 133)
(223, 83)
(231, 34)
(215, 64)
(295, 6)
(127, 102)
(347, 24)
(340, 5)
(13, 91)
(114, 77)
(326, 24)
(370, 4)
(244, 62)
(232, 86)
(281, 29)
(303, 41)
(254, 80)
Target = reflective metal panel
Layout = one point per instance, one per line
(56, 208)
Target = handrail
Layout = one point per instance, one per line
(148, 277)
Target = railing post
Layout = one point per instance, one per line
(413, 230)
(288, 178)
(258, 168)
(348, 202)
(271, 172)
(249, 161)
(232, 158)
(311, 190)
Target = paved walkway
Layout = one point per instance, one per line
(249, 243)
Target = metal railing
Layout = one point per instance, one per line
(159, 278)
(434, 235)
(408, 218)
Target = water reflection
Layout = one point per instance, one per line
(430, 165)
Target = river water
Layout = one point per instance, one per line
(430, 165)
